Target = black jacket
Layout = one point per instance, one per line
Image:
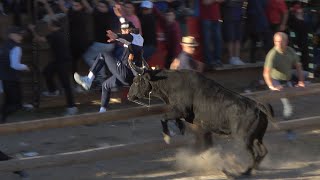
(6, 72)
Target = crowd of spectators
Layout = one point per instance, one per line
(222, 23)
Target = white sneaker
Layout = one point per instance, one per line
(84, 81)
(102, 110)
(71, 111)
(27, 107)
(236, 61)
(287, 108)
(51, 94)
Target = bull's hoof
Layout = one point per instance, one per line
(244, 175)
(229, 175)
(247, 172)
(181, 126)
(183, 129)
(166, 138)
(22, 174)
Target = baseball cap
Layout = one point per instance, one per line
(146, 4)
(127, 24)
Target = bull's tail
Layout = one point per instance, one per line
(270, 110)
(270, 114)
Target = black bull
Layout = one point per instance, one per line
(208, 106)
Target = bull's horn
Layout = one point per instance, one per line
(139, 70)
(145, 65)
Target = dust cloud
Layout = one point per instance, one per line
(228, 157)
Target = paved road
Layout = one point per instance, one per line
(287, 159)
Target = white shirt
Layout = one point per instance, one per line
(15, 59)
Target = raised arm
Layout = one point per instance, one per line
(118, 11)
(87, 6)
(123, 38)
(47, 7)
(36, 36)
(62, 7)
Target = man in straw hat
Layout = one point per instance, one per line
(184, 59)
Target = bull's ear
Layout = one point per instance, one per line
(147, 76)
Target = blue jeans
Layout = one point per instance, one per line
(211, 31)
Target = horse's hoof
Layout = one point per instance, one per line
(166, 138)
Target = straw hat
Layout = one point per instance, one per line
(189, 41)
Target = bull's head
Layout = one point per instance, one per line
(140, 87)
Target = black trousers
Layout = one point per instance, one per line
(120, 75)
(63, 72)
(12, 98)
(4, 157)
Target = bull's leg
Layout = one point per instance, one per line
(198, 136)
(181, 125)
(261, 152)
(248, 145)
(165, 131)
(249, 170)
(164, 122)
(208, 142)
(257, 143)
(203, 139)
(258, 151)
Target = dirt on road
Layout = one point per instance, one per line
(298, 158)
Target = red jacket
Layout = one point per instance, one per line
(275, 10)
(172, 32)
(210, 12)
